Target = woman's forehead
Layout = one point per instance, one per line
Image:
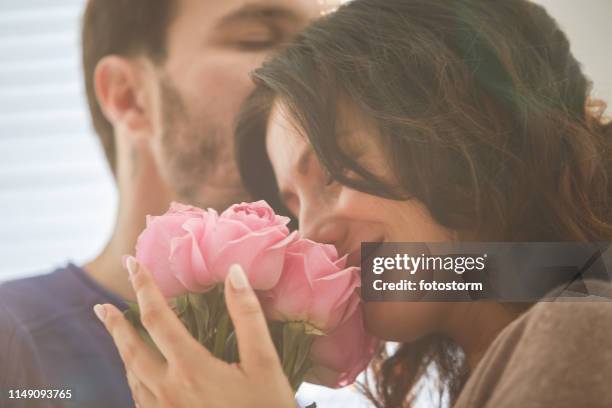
(284, 139)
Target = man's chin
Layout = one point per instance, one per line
(216, 197)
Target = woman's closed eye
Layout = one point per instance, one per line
(329, 178)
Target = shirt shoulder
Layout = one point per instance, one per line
(19, 362)
(558, 354)
(53, 312)
(569, 317)
(39, 300)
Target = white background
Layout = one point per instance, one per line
(57, 198)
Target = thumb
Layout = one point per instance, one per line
(255, 345)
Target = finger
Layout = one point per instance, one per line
(164, 327)
(138, 358)
(255, 345)
(142, 396)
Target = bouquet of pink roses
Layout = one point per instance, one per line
(307, 292)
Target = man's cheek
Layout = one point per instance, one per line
(225, 89)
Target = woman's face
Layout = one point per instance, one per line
(332, 213)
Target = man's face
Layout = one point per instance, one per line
(212, 46)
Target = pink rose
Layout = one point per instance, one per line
(257, 216)
(190, 250)
(252, 235)
(315, 287)
(156, 245)
(341, 355)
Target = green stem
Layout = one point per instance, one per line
(295, 352)
(221, 336)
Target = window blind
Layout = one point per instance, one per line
(56, 194)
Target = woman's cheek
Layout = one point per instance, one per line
(362, 206)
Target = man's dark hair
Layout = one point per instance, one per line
(121, 27)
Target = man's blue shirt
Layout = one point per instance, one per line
(69, 346)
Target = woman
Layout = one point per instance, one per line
(416, 121)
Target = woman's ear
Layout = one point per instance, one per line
(121, 93)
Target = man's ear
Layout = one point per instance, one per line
(121, 93)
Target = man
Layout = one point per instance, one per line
(164, 80)
(16, 377)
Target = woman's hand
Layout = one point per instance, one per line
(186, 374)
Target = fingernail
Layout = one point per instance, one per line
(132, 265)
(124, 259)
(237, 278)
(100, 312)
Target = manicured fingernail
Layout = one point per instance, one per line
(100, 311)
(237, 278)
(124, 259)
(132, 265)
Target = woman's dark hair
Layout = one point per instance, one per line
(482, 110)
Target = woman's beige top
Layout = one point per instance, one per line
(558, 354)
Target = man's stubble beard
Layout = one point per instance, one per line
(198, 157)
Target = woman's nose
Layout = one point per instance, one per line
(320, 225)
